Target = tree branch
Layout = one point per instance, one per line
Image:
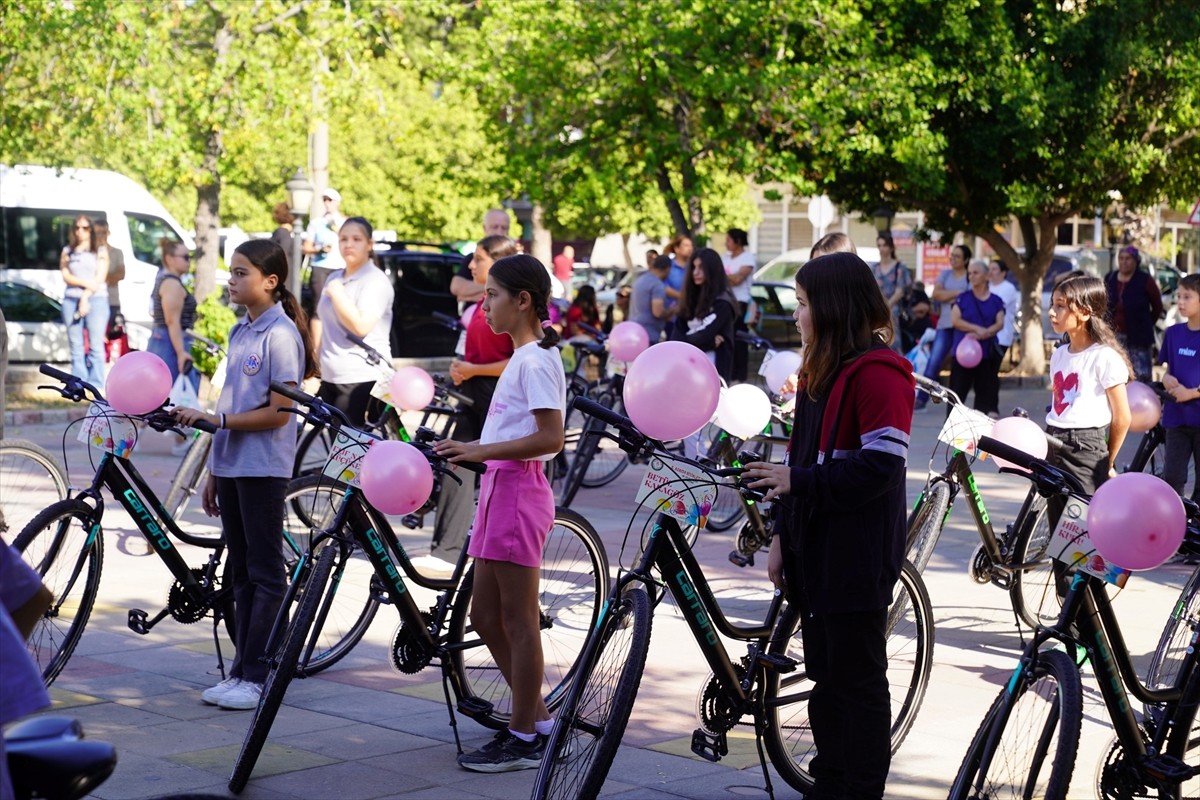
(264, 27)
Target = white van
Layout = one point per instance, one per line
(38, 206)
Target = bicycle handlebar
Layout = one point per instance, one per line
(1049, 478)
(374, 357)
(453, 323)
(596, 333)
(76, 389)
(757, 342)
(210, 346)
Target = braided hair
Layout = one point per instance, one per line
(524, 273)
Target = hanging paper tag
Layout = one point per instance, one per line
(1072, 545)
(382, 390)
(105, 429)
(678, 490)
(346, 455)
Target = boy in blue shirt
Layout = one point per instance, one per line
(1181, 353)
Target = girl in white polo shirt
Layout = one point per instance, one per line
(252, 455)
(1089, 409)
(524, 428)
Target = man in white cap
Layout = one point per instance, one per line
(321, 242)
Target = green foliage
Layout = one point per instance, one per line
(214, 320)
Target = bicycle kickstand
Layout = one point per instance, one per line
(450, 703)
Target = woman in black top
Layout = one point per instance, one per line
(707, 311)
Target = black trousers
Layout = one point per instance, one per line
(252, 519)
(850, 707)
(354, 399)
(984, 378)
(1183, 445)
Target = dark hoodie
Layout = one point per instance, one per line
(845, 543)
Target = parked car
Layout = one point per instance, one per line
(776, 302)
(421, 275)
(783, 267)
(34, 323)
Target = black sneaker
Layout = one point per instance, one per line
(505, 753)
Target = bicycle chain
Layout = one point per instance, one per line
(183, 609)
(408, 655)
(716, 713)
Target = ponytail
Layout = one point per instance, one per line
(292, 307)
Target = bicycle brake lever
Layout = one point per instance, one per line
(448, 472)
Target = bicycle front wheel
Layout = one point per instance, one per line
(282, 667)
(789, 737)
(1026, 745)
(310, 505)
(728, 506)
(1176, 637)
(589, 443)
(30, 480)
(1034, 588)
(926, 525)
(67, 553)
(193, 471)
(608, 461)
(591, 722)
(574, 586)
(312, 453)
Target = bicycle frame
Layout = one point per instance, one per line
(668, 552)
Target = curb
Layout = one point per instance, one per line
(49, 416)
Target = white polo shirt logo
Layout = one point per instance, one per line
(252, 364)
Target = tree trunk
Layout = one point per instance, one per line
(678, 219)
(542, 244)
(208, 217)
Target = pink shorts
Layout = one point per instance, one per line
(515, 513)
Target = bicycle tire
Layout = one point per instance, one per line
(1176, 637)
(589, 441)
(1034, 589)
(910, 643)
(728, 506)
(193, 471)
(591, 722)
(310, 504)
(31, 479)
(282, 667)
(608, 461)
(925, 527)
(1049, 692)
(312, 453)
(60, 548)
(574, 587)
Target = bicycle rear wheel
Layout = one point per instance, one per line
(589, 443)
(728, 506)
(608, 461)
(910, 658)
(312, 453)
(310, 504)
(591, 722)
(282, 666)
(1026, 745)
(68, 557)
(574, 586)
(926, 525)
(30, 480)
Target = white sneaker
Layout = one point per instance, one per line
(243, 697)
(432, 565)
(212, 695)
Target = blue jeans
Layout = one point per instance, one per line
(89, 365)
(160, 345)
(937, 355)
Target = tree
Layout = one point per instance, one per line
(608, 112)
(976, 112)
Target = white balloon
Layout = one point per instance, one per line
(783, 365)
(744, 410)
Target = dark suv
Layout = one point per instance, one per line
(421, 274)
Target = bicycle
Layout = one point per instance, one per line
(574, 585)
(768, 684)
(65, 542)
(1026, 745)
(30, 480)
(193, 469)
(1014, 560)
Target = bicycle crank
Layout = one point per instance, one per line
(409, 654)
(980, 568)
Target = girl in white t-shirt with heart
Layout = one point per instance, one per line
(523, 429)
(1089, 409)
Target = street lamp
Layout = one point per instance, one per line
(882, 217)
(300, 196)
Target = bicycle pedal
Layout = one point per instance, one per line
(1167, 769)
(711, 747)
(474, 707)
(411, 521)
(739, 560)
(137, 621)
(776, 662)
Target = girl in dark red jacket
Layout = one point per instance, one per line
(838, 553)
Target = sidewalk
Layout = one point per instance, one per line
(361, 730)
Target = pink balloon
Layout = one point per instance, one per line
(395, 477)
(1136, 520)
(1021, 433)
(411, 388)
(627, 341)
(1144, 405)
(671, 390)
(968, 353)
(138, 383)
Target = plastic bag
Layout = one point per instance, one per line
(183, 393)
